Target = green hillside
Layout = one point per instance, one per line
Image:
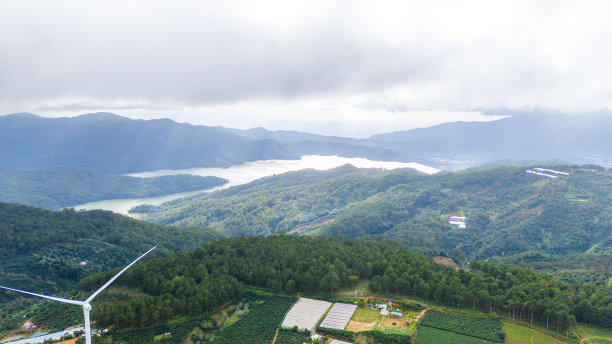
(49, 252)
(59, 187)
(510, 213)
(199, 282)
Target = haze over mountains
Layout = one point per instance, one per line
(114, 144)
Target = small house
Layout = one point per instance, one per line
(29, 325)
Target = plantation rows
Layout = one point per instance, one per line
(485, 328)
(290, 336)
(259, 324)
(179, 334)
(430, 335)
(373, 337)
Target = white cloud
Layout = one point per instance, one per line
(390, 60)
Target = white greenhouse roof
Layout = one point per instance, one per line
(305, 313)
(339, 316)
(335, 341)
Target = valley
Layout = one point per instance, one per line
(242, 174)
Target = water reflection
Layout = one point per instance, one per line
(245, 173)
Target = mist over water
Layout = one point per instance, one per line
(245, 173)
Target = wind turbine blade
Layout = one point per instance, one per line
(74, 302)
(116, 276)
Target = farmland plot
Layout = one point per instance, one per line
(339, 316)
(480, 327)
(430, 335)
(518, 334)
(259, 324)
(306, 313)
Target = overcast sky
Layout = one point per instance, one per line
(349, 68)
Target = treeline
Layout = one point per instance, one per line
(59, 187)
(199, 281)
(527, 295)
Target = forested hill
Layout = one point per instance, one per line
(114, 144)
(42, 250)
(509, 212)
(199, 282)
(59, 187)
(577, 139)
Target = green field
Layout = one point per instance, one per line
(259, 324)
(430, 335)
(594, 334)
(518, 334)
(366, 315)
(489, 329)
(179, 332)
(287, 336)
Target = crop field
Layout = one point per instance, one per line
(287, 336)
(179, 332)
(518, 334)
(259, 324)
(430, 335)
(480, 327)
(594, 334)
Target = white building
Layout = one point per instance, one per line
(457, 221)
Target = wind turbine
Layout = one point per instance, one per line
(85, 304)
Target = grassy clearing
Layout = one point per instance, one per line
(518, 334)
(366, 315)
(594, 334)
(396, 326)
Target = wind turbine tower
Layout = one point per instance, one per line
(85, 304)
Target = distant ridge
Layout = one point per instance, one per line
(111, 143)
(526, 137)
(115, 144)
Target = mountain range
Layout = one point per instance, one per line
(114, 144)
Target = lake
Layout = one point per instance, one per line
(245, 173)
